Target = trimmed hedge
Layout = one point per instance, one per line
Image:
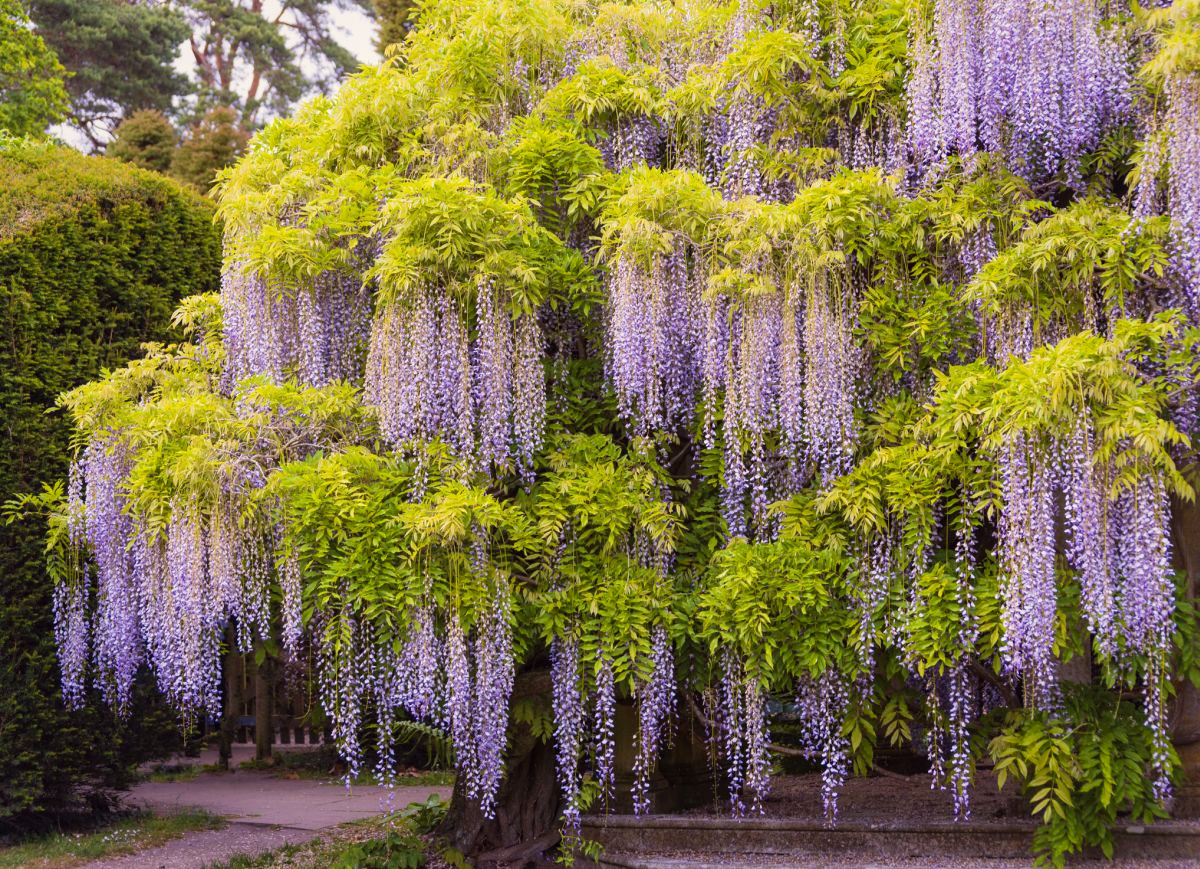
(94, 254)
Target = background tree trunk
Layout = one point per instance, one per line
(262, 709)
(232, 700)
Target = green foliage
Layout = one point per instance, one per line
(872, 83)
(348, 515)
(93, 254)
(1178, 27)
(113, 836)
(1076, 261)
(210, 145)
(453, 230)
(438, 748)
(394, 851)
(1079, 771)
(757, 594)
(394, 20)
(465, 164)
(1187, 638)
(975, 407)
(573, 845)
(146, 139)
(32, 96)
(595, 502)
(424, 816)
(601, 92)
(560, 173)
(536, 714)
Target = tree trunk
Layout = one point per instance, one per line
(262, 709)
(233, 699)
(525, 828)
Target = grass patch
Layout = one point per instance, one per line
(413, 778)
(124, 836)
(327, 850)
(180, 771)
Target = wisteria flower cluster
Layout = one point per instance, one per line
(161, 597)
(318, 331)
(486, 398)
(807, 284)
(1038, 82)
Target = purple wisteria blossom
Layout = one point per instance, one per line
(655, 706)
(1027, 560)
(823, 703)
(603, 726)
(1038, 82)
(567, 697)
(486, 398)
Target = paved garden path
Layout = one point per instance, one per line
(265, 812)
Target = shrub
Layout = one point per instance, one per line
(94, 255)
(147, 139)
(32, 95)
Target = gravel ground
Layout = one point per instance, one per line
(211, 846)
(265, 813)
(264, 799)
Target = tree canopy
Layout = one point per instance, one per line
(702, 354)
(256, 58)
(120, 55)
(260, 58)
(147, 139)
(32, 96)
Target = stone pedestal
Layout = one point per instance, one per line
(682, 778)
(1187, 796)
(1185, 711)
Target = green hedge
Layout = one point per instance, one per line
(94, 254)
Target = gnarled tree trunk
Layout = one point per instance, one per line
(525, 829)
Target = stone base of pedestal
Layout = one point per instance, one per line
(1186, 802)
(705, 842)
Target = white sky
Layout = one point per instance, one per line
(357, 33)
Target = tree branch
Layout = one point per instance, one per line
(887, 773)
(1003, 687)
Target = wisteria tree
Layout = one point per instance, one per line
(682, 357)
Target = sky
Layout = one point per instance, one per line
(358, 35)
